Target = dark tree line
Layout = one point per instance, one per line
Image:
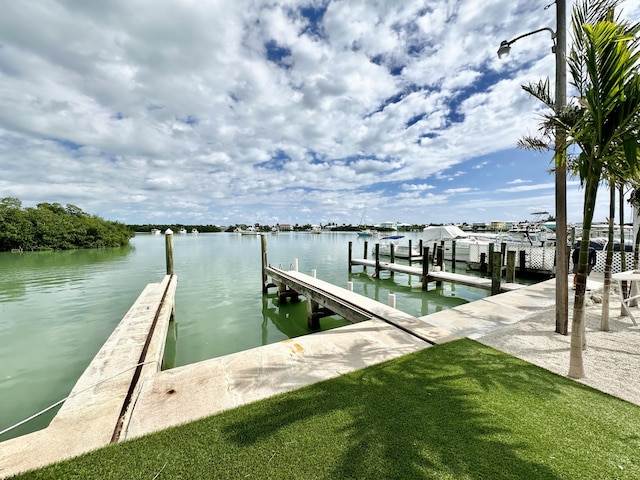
(52, 226)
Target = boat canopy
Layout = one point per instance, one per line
(444, 232)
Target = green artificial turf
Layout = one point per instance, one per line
(454, 411)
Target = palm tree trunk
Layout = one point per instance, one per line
(606, 290)
(578, 339)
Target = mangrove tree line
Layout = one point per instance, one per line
(52, 226)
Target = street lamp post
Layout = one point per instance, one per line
(562, 257)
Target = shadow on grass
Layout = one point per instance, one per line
(422, 416)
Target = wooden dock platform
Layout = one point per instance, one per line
(468, 280)
(97, 410)
(352, 306)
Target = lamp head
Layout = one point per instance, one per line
(504, 49)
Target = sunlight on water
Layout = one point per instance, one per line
(58, 308)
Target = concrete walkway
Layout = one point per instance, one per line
(202, 389)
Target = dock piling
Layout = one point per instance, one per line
(425, 268)
(496, 272)
(511, 266)
(440, 261)
(393, 256)
(168, 243)
(366, 247)
(453, 255)
(492, 248)
(391, 300)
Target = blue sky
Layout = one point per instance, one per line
(294, 111)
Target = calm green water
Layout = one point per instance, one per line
(58, 308)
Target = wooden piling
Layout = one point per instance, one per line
(490, 259)
(168, 243)
(313, 319)
(377, 253)
(366, 245)
(511, 266)
(453, 255)
(523, 262)
(263, 247)
(483, 263)
(425, 268)
(350, 255)
(440, 261)
(393, 256)
(496, 272)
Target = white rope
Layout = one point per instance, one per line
(35, 415)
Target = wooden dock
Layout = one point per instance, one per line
(439, 276)
(97, 410)
(324, 298)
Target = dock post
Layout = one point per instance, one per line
(425, 268)
(350, 254)
(453, 256)
(490, 259)
(265, 280)
(391, 300)
(313, 317)
(168, 243)
(440, 261)
(366, 247)
(523, 262)
(503, 250)
(393, 256)
(496, 272)
(511, 266)
(377, 250)
(483, 263)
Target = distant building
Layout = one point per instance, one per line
(285, 227)
(479, 227)
(388, 226)
(498, 226)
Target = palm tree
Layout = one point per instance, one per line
(602, 122)
(603, 65)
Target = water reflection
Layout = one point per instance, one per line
(51, 270)
(290, 318)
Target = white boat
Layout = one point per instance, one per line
(155, 231)
(182, 231)
(247, 231)
(399, 250)
(464, 241)
(194, 231)
(367, 233)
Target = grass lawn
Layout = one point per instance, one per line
(454, 411)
